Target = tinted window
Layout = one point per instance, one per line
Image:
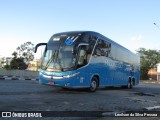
(102, 48)
(91, 40)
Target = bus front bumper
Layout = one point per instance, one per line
(61, 81)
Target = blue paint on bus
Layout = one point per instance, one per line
(86, 59)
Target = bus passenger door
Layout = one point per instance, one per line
(82, 61)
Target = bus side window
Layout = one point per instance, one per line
(91, 40)
(102, 48)
(85, 51)
(108, 50)
(82, 59)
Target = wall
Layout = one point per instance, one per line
(4, 72)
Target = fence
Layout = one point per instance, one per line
(4, 72)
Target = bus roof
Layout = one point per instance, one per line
(96, 34)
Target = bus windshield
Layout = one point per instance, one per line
(59, 55)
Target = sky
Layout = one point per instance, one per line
(127, 22)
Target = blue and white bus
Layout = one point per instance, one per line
(86, 59)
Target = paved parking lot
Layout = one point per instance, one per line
(29, 95)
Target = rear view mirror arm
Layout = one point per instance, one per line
(39, 44)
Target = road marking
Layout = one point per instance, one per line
(152, 108)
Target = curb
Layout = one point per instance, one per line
(154, 82)
(17, 78)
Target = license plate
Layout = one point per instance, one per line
(51, 83)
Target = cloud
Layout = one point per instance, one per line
(136, 38)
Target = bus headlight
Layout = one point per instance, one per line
(71, 75)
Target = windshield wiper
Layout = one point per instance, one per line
(54, 58)
(50, 60)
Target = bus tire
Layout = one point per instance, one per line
(93, 84)
(130, 84)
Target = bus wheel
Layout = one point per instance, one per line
(93, 85)
(130, 84)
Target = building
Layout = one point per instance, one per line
(34, 65)
(154, 73)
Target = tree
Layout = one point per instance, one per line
(7, 66)
(18, 63)
(25, 51)
(21, 57)
(2, 61)
(148, 59)
(14, 54)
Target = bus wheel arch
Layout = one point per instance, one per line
(94, 84)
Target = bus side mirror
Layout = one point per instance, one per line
(39, 44)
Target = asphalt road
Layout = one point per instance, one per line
(27, 95)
